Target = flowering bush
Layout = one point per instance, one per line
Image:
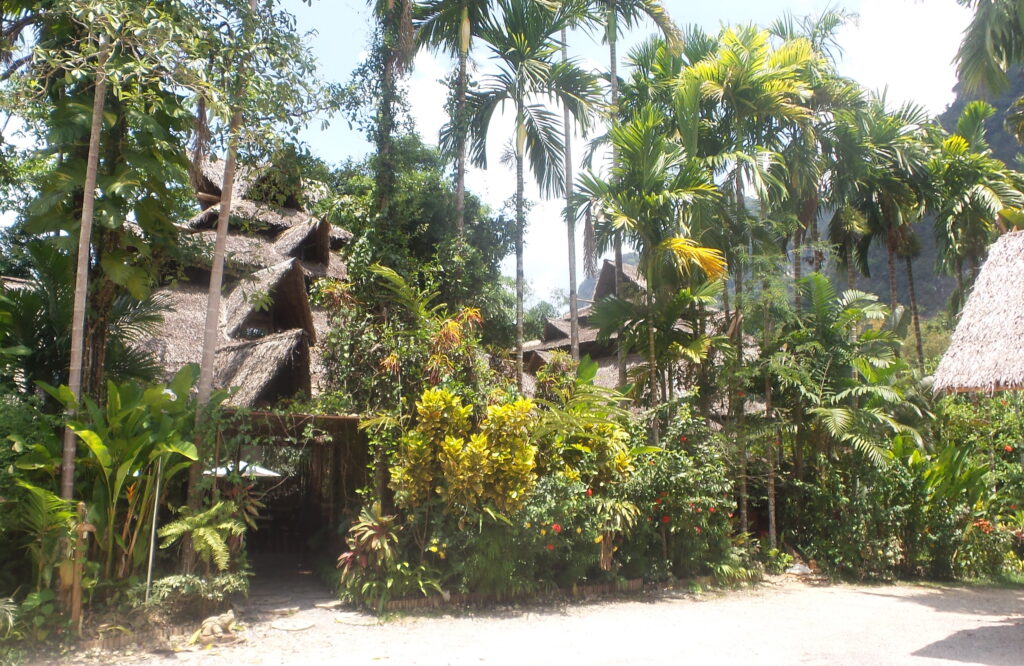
(686, 509)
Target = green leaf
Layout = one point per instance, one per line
(96, 445)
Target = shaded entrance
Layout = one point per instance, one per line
(306, 469)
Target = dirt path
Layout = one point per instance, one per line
(780, 622)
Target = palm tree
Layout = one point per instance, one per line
(212, 323)
(972, 191)
(449, 26)
(652, 183)
(806, 151)
(521, 42)
(749, 95)
(624, 14)
(993, 41)
(882, 174)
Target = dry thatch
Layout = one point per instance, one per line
(180, 340)
(245, 253)
(253, 217)
(984, 353)
(211, 178)
(264, 370)
(273, 300)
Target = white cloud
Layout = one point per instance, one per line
(906, 46)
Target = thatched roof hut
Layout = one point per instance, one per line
(180, 340)
(273, 300)
(267, 330)
(265, 370)
(264, 219)
(984, 353)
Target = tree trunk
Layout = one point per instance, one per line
(570, 225)
(652, 361)
(211, 326)
(460, 134)
(772, 531)
(960, 288)
(520, 276)
(67, 470)
(613, 69)
(891, 254)
(798, 261)
(913, 312)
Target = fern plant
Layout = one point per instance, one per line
(209, 530)
(47, 520)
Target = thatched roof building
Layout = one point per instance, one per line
(984, 352)
(265, 370)
(267, 330)
(556, 336)
(273, 299)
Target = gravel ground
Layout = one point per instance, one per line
(782, 621)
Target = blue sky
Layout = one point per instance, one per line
(905, 46)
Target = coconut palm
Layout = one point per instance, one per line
(521, 41)
(450, 26)
(645, 199)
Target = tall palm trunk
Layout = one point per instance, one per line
(613, 70)
(890, 249)
(913, 311)
(570, 224)
(960, 287)
(772, 531)
(460, 114)
(520, 226)
(67, 470)
(798, 265)
(652, 362)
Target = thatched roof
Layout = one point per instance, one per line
(180, 340)
(605, 285)
(984, 353)
(273, 300)
(261, 218)
(247, 253)
(264, 370)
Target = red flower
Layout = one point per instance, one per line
(697, 509)
(1008, 448)
(665, 519)
(590, 492)
(657, 501)
(682, 438)
(557, 528)
(730, 515)
(697, 527)
(1013, 507)
(712, 509)
(550, 546)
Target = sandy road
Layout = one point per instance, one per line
(780, 622)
